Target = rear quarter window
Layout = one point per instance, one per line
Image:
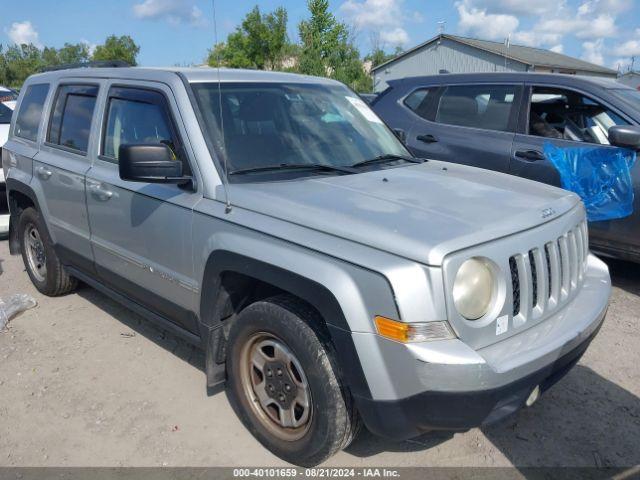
(30, 113)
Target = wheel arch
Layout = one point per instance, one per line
(20, 197)
(215, 308)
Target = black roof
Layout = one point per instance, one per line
(555, 78)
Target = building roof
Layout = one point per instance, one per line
(538, 57)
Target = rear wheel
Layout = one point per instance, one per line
(40, 260)
(283, 383)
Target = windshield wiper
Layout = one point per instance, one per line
(389, 157)
(292, 166)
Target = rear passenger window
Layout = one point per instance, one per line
(485, 106)
(30, 112)
(418, 101)
(137, 117)
(71, 117)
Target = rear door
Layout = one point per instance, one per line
(141, 232)
(468, 124)
(570, 118)
(60, 166)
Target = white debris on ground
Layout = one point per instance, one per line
(13, 305)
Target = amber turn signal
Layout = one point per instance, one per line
(412, 332)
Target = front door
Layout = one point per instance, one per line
(569, 119)
(469, 124)
(141, 232)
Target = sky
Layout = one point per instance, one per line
(180, 32)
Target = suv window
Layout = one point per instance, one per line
(5, 114)
(136, 116)
(7, 95)
(71, 117)
(480, 106)
(30, 112)
(418, 102)
(569, 115)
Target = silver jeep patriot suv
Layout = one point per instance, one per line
(332, 279)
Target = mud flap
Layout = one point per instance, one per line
(14, 241)
(215, 357)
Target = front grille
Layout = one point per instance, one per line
(544, 278)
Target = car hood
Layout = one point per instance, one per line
(421, 212)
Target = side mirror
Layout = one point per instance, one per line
(627, 136)
(401, 134)
(150, 163)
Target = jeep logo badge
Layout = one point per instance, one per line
(548, 212)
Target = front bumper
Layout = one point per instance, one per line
(447, 385)
(409, 417)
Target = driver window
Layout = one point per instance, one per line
(568, 115)
(138, 117)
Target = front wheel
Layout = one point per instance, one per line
(283, 383)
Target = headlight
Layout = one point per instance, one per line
(473, 289)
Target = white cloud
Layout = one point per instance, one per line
(174, 11)
(384, 16)
(581, 26)
(23, 33)
(485, 25)
(396, 36)
(517, 7)
(557, 48)
(630, 48)
(593, 51)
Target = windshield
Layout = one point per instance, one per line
(292, 124)
(629, 95)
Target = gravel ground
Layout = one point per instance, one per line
(85, 382)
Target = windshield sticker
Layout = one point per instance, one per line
(364, 110)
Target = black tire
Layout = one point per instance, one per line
(335, 421)
(56, 281)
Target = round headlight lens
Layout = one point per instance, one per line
(473, 288)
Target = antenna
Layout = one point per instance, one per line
(441, 25)
(507, 44)
(224, 178)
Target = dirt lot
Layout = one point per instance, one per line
(85, 382)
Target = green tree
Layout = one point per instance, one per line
(328, 49)
(260, 42)
(74, 53)
(18, 62)
(117, 48)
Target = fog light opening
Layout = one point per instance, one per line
(533, 396)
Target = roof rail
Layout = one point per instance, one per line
(92, 64)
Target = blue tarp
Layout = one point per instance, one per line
(601, 176)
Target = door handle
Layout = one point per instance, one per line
(44, 173)
(100, 192)
(427, 138)
(530, 155)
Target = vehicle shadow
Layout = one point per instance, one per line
(141, 326)
(624, 275)
(583, 421)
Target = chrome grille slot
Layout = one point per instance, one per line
(544, 278)
(515, 286)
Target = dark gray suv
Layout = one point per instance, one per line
(500, 121)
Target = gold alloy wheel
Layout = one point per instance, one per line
(276, 386)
